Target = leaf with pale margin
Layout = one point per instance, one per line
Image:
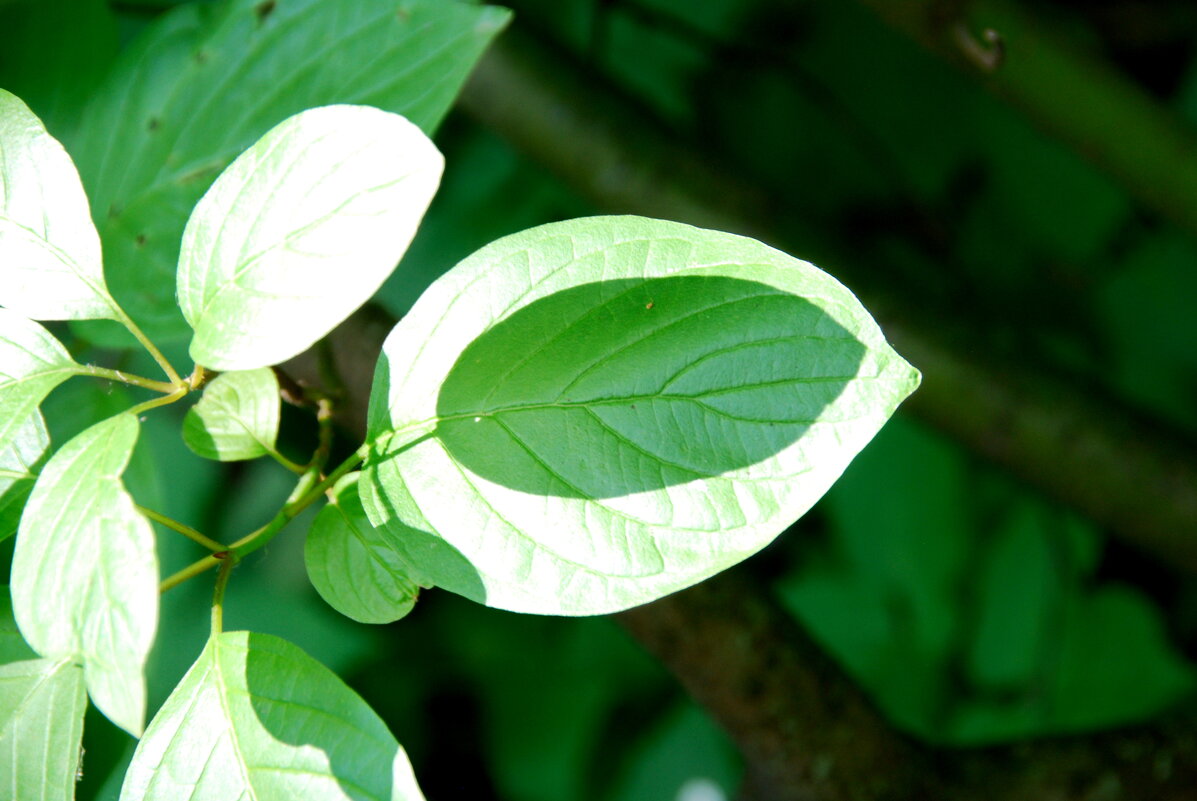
(258, 718)
(207, 80)
(41, 727)
(19, 458)
(300, 231)
(85, 574)
(32, 363)
(353, 565)
(50, 263)
(237, 417)
(594, 413)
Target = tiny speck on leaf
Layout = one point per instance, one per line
(264, 10)
(649, 305)
(154, 124)
(477, 419)
(140, 240)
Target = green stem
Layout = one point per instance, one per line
(127, 321)
(127, 378)
(285, 462)
(178, 393)
(222, 583)
(307, 491)
(184, 529)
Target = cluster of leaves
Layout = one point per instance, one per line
(574, 420)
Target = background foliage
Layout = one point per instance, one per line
(972, 608)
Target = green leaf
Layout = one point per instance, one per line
(592, 414)
(301, 230)
(41, 728)
(49, 249)
(32, 363)
(353, 565)
(237, 417)
(19, 457)
(207, 80)
(258, 718)
(85, 576)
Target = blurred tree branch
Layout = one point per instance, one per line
(1087, 104)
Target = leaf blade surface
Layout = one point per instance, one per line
(52, 267)
(301, 230)
(237, 417)
(85, 571)
(592, 414)
(256, 717)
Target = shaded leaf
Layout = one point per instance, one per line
(256, 717)
(592, 414)
(160, 129)
(301, 230)
(237, 417)
(85, 574)
(41, 726)
(13, 647)
(353, 565)
(51, 264)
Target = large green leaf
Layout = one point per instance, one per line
(32, 363)
(257, 718)
(353, 565)
(301, 230)
(85, 575)
(19, 457)
(237, 417)
(209, 79)
(41, 726)
(50, 264)
(594, 413)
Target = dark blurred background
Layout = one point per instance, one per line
(1011, 559)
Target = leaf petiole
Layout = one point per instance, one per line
(179, 392)
(127, 378)
(227, 563)
(124, 319)
(184, 529)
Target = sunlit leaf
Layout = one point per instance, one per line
(591, 414)
(353, 565)
(85, 573)
(301, 230)
(41, 725)
(32, 363)
(237, 417)
(50, 263)
(207, 80)
(19, 456)
(257, 718)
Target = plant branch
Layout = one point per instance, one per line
(1065, 438)
(182, 528)
(810, 735)
(127, 378)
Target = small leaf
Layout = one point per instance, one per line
(19, 457)
(258, 718)
(32, 363)
(301, 230)
(353, 566)
(49, 249)
(237, 417)
(41, 728)
(85, 575)
(592, 414)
